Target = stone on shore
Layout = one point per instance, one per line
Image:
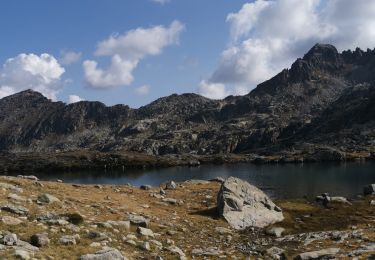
(369, 190)
(244, 205)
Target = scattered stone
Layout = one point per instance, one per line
(47, 199)
(176, 251)
(22, 254)
(321, 254)
(28, 177)
(123, 224)
(11, 221)
(19, 210)
(200, 182)
(145, 187)
(275, 253)
(145, 232)
(98, 236)
(145, 246)
(69, 240)
(8, 186)
(243, 205)
(171, 185)
(138, 221)
(9, 239)
(170, 201)
(105, 254)
(40, 239)
(15, 197)
(75, 218)
(275, 231)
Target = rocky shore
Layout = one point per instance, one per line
(121, 160)
(190, 220)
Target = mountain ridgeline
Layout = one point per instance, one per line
(325, 101)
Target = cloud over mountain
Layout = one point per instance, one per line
(266, 36)
(30, 71)
(127, 50)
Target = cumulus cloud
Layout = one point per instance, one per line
(69, 57)
(74, 99)
(267, 36)
(29, 71)
(162, 2)
(127, 51)
(212, 90)
(142, 90)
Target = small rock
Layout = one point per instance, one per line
(19, 210)
(47, 198)
(275, 231)
(171, 185)
(145, 246)
(105, 254)
(11, 221)
(170, 201)
(69, 240)
(324, 253)
(176, 251)
(145, 187)
(138, 221)
(369, 190)
(22, 254)
(40, 239)
(9, 239)
(145, 232)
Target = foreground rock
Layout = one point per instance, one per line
(243, 205)
(328, 253)
(105, 254)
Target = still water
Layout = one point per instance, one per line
(279, 181)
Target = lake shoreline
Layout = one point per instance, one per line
(95, 160)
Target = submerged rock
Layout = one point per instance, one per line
(244, 205)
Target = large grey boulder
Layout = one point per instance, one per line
(244, 205)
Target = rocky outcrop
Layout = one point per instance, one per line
(244, 205)
(326, 99)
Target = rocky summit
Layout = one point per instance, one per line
(322, 108)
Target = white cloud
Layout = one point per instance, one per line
(69, 57)
(162, 2)
(267, 36)
(74, 99)
(142, 90)
(127, 51)
(29, 71)
(212, 90)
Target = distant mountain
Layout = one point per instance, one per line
(326, 99)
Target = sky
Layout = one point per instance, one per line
(133, 52)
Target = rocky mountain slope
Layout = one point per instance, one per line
(324, 101)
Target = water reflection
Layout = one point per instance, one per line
(281, 181)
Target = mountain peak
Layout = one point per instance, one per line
(322, 52)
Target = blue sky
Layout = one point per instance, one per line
(135, 51)
(45, 26)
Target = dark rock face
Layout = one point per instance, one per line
(326, 99)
